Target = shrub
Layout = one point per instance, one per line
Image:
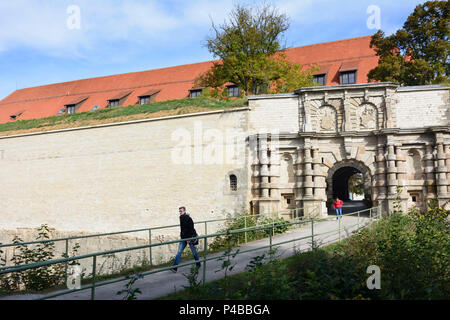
(245, 221)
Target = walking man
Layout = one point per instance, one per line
(337, 205)
(187, 231)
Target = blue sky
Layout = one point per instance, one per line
(46, 41)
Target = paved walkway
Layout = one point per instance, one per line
(166, 282)
(350, 206)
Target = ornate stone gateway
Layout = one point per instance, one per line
(396, 137)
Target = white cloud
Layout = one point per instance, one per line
(125, 26)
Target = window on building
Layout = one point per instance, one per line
(114, 103)
(233, 182)
(347, 77)
(319, 79)
(15, 116)
(414, 199)
(144, 100)
(70, 109)
(195, 93)
(233, 91)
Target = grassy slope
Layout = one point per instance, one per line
(118, 114)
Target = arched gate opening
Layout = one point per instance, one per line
(350, 181)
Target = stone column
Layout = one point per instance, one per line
(308, 174)
(401, 176)
(380, 176)
(429, 172)
(309, 205)
(447, 164)
(299, 178)
(274, 161)
(269, 199)
(441, 174)
(264, 171)
(320, 183)
(392, 181)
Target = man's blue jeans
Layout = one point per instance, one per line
(181, 247)
(338, 212)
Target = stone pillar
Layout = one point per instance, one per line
(401, 176)
(308, 174)
(264, 173)
(309, 203)
(320, 183)
(441, 175)
(380, 178)
(392, 181)
(269, 198)
(274, 161)
(299, 179)
(429, 172)
(447, 164)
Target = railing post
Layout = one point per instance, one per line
(370, 214)
(94, 270)
(270, 239)
(358, 220)
(245, 226)
(150, 243)
(312, 234)
(66, 264)
(340, 218)
(204, 259)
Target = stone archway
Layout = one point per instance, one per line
(338, 175)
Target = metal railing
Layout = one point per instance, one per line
(148, 230)
(374, 213)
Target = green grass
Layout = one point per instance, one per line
(120, 112)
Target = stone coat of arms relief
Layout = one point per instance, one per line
(327, 116)
(367, 117)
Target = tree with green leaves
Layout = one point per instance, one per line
(251, 54)
(417, 54)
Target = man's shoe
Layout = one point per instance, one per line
(174, 270)
(198, 264)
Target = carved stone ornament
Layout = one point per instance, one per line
(368, 117)
(327, 119)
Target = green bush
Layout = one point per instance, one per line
(35, 279)
(246, 221)
(412, 251)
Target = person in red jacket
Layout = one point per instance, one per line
(337, 205)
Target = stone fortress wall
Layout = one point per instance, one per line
(283, 152)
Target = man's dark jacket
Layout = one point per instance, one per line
(186, 226)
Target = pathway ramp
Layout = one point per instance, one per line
(165, 282)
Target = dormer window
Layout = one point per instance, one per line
(347, 72)
(114, 103)
(16, 115)
(144, 100)
(70, 109)
(118, 99)
(233, 91)
(347, 77)
(148, 97)
(193, 93)
(74, 105)
(319, 79)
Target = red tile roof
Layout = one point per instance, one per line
(173, 82)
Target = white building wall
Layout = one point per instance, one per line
(120, 177)
(422, 107)
(274, 113)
